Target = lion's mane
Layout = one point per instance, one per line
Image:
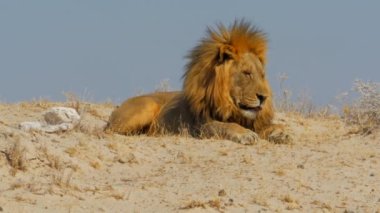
(207, 90)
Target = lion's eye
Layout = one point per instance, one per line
(247, 73)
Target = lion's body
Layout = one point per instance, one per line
(225, 93)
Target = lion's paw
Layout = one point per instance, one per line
(280, 136)
(247, 138)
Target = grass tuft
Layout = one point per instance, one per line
(16, 156)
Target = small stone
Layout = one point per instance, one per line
(222, 193)
(300, 166)
(128, 158)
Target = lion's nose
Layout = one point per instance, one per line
(261, 98)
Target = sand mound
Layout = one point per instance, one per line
(327, 168)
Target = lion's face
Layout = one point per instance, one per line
(249, 88)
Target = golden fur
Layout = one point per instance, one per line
(225, 93)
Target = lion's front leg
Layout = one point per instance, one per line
(230, 131)
(276, 133)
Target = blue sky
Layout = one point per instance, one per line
(111, 50)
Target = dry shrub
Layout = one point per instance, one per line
(16, 156)
(364, 112)
(78, 103)
(73, 101)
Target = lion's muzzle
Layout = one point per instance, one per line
(250, 108)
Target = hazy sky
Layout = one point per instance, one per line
(111, 50)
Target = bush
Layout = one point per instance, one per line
(365, 110)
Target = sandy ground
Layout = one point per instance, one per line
(325, 169)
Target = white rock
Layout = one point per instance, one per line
(59, 115)
(56, 128)
(38, 126)
(30, 125)
(56, 119)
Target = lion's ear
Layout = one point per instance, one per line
(226, 52)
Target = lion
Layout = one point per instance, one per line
(225, 93)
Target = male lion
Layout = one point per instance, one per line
(225, 93)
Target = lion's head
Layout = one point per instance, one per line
(225, 78)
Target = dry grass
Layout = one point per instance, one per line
(40, 103)
(118, 195)
(62, 181)
(112, 146)
(183, 158)
(72, 151)
(302, 104)
(85, 108)
(16, 185)
(91, 130)
(194, 204)
(217, 204)
(163, 86)
(53, 161)
(74, 102)
(247, 159)
(322, 205)
(279, 172)
(22, 199)
(16, 156)
(260, 199)
(95, 164)
(126, 158)
(363, 113)
(291, 202)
